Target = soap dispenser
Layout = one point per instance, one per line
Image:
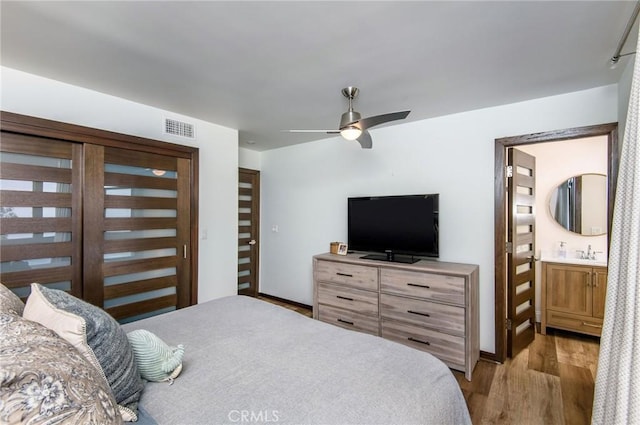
(562, 251)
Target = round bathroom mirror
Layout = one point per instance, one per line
(579, 204)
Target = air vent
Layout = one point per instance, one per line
(179, 128)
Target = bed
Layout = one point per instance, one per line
(247, 360)
(241, 360)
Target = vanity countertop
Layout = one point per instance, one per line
(550, 258)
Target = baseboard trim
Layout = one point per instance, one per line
(489, 357)
(284, 300)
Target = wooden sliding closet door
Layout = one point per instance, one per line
(137, 231)
(108, 217)
(40, 213)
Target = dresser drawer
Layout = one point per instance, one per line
(349, 274)
(441, 316)
(356, 300)
(348, 319)
(424, 285)
(574, 322)
(448, 348)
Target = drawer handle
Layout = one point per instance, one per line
(345, 321)
(419, 286)
(418, 313)
(417, 340)
(344, 274)
(593, 326)
(344, 298)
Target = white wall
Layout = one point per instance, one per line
(248, 159)
(40, 97)
(305, 187)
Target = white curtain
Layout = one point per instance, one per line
(617, 393)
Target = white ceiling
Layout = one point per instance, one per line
(263, 67)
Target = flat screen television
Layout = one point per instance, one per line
(394, 228)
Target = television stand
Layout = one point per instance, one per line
(430, 305)
(405, 259)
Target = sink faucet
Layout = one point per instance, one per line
(589, 255)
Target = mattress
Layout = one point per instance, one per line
(249, 361)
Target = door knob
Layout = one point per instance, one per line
(252, 242)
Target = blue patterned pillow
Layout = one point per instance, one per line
(96, 335)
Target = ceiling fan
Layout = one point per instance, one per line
(353, 126)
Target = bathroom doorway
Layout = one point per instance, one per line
(501, 149)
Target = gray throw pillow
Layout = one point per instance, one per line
(96, 335)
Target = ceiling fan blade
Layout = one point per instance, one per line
(312, 131)
(365, 140)
(381, 119)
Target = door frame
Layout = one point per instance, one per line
(500, 286)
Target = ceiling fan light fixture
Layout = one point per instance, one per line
(350, 132)
(353, 127)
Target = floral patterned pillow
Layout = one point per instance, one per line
(96, 335)
(44, 379)
(9, 302)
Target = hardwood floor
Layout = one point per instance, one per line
(549, 383)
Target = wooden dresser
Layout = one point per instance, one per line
(428, 305)
(573, 297)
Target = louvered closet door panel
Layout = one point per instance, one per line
(40, 219)
(248, 231)
(145, 234)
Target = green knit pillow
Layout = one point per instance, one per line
(156, 360)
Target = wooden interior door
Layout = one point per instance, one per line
(521, 271)
(108, 217)
(248, 231)
(40, 213)
(137, 232)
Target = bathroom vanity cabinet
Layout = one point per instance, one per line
(573, 297)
